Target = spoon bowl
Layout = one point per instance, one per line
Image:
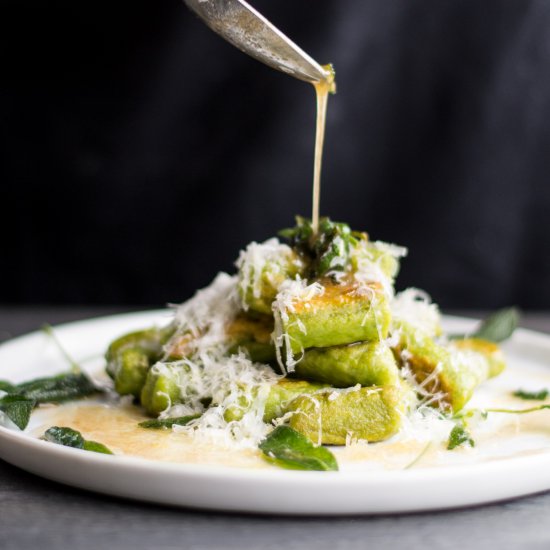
(247, 29)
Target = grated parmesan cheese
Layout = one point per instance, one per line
(208, 373)
(263, 267)
(370, 261)
(414, 307)
(290, 292)
(231, 382)
(230, 391)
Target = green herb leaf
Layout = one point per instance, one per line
(17, 405)
(96, 447)
(6, 386)
(290, 449)
(327, 250)
(164, 423)
(71, 438)
(58, 388)
(459, 436)
(18, 409)
(332, 247)
(64, 436)
(499, 326)
(540, 395)
(496, 328)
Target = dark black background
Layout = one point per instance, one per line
(139, 151)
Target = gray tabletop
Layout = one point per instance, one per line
(38, 513)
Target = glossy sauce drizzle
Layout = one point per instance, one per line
(322, 89)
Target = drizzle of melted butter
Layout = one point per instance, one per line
(322, 90)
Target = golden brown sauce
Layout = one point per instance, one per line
(322, 90)
(116, 426)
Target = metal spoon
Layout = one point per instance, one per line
(241, 25)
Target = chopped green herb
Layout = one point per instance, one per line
(164, 423)
(327, 250)
(71, 438)
(540, 395)
(290, 449)
(459, 436)
(18, 409)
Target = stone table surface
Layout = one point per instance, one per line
(36, 513)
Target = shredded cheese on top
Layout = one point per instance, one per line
(233, 383)
(230, 391)
(368, 265)
(414, 307)
(236, 385)
(394, 250)
(290, 293)
(267, 260)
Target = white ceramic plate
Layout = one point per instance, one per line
(512, 467)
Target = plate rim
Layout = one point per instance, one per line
(330, 481)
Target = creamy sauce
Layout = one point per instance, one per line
(116, 426)
(322, 89)
(500, 437)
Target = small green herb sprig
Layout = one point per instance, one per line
(459, 436)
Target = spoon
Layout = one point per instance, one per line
(247, 29)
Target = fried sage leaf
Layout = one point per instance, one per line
(290, 449)
(17, 405)
(18, 409)
(96, 447)
(164, 423)
(499, 326)
(6, 386)
(496, 328)
(56, 389)
(71, 438)
(64, 436)
(539, 395)
(328, 249)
